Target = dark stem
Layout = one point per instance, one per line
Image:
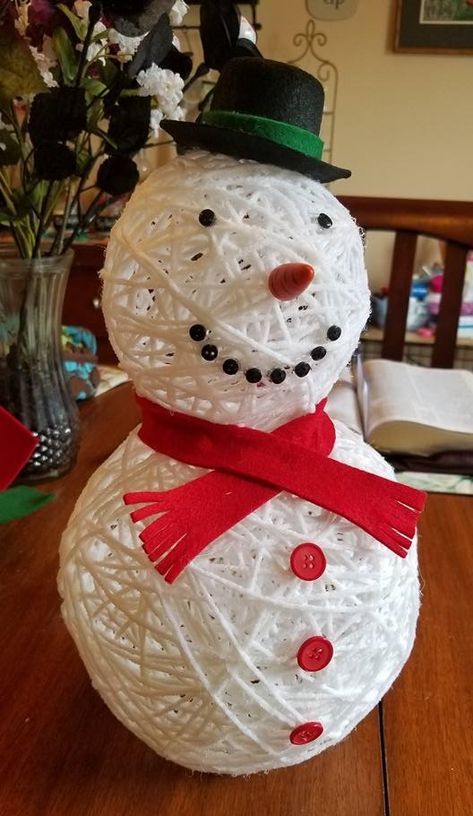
(89, 215)
(59, 237)
(44, 209)
(94, 17)
(206, 98)
(200, 71)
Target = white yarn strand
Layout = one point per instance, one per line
(154, 291)
(205, 670)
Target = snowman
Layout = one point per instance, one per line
(240, 576)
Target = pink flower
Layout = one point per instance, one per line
(43, 18)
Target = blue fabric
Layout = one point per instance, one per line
(80, 362)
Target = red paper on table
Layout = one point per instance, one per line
(17, 444)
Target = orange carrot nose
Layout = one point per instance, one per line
(290, 280)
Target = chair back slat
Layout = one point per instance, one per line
(443, 354)
(446, 221)
(399, 289)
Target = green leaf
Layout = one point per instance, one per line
(79, 26)
(66, 55)
(83, 158)
(104, 136)
(10, 152)
(20, 501)
(93, 88)
(6, 218)
(95, 116)
(19, 74)
(109, 73)
(101, 35)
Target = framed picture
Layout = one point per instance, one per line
(436, 26)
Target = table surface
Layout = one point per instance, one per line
(62, 753)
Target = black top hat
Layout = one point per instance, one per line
(263, 110)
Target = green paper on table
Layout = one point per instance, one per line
(20, 501)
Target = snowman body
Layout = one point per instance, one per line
(262, 653)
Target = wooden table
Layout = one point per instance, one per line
(62, 753)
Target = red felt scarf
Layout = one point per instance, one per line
(249, 467)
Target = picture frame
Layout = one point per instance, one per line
(434, 26)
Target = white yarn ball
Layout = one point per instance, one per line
(165, 271)
(205, 670)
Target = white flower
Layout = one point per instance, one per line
(21, 22)
(155, 120)
(44, 64)
(247, 31)
(47, 49)
(164, 84)
(81, 8)
(127, 46)
(178, 12)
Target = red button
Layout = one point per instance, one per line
(306, 733)
(314, 654)
(308, 562)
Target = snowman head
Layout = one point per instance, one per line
(197, 315)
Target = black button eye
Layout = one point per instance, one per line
(334, 332)
(324, 221)
(197, 332)
(207, 218)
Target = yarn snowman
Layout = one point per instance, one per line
(234, 625)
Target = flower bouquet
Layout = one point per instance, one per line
(84, 85)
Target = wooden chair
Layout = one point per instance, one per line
(448, 221)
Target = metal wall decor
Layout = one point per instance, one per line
(332, 9)
(309, 41)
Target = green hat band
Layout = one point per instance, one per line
(278, 132)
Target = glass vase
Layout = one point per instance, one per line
(33, 385)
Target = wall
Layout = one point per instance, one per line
(404, 122)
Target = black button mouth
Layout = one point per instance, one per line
(231, 366)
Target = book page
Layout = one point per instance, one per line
(439, 398)
(342, 402)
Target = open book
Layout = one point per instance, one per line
(407, 409)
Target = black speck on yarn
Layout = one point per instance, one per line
(197, 256)
(324, 221)
(207, 218)
(302, 369)
(302, 308)
(334, 332)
